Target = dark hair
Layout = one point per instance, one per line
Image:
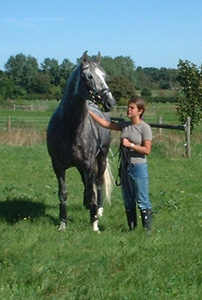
(140, 104)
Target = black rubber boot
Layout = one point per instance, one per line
(131, 218)
(146, 216)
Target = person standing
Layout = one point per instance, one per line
(136, 142)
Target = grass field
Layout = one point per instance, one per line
(38, 262)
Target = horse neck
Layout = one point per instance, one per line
(73, 110)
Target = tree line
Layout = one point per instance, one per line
(24, 77)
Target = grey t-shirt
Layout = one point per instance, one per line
(136, 134)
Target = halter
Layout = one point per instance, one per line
(97, 96)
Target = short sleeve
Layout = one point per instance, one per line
(147, 132)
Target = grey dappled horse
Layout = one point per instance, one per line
(75, 140)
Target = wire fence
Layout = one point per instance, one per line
(7, 124)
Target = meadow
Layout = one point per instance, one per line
(38, 262)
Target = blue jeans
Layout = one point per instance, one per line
(137, 190)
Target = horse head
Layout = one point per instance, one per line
(93, 77)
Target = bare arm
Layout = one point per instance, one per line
(104, 123)
(144, 149)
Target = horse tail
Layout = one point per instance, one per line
(108, 181)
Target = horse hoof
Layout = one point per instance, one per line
(100, 211)
(95, 226)
(62, 226)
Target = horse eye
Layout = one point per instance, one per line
(90, 77)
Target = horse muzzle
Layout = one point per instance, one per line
(108, 101)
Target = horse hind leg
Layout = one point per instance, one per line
(90, 198)
(100, 202)
(94, 217)
(98, 199)
(62, 195)
(101, 163)
(94, 212)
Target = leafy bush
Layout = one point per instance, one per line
(189, 102)
(146, 92)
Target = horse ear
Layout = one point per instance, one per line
(84, 58)
(98, 59)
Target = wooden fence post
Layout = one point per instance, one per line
(8, 124)
(188, 134)
(160, 121)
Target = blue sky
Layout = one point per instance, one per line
(154, 33)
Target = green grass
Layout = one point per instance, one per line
(165, 93)
(38, 262)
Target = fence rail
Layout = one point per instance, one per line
(24, 107)
(7, 123)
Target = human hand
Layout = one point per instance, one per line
(126, 142)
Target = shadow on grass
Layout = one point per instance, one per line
(17, 209)
(14, 210)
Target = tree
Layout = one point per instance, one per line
(21, 70)
(125, 67)
(121, 87)
(154, 78)
(66, 68)
(108, 65)
(119, 66)
(41, 83)
(14, 67)
(189, 102)
(51, 67)
(8, 89)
